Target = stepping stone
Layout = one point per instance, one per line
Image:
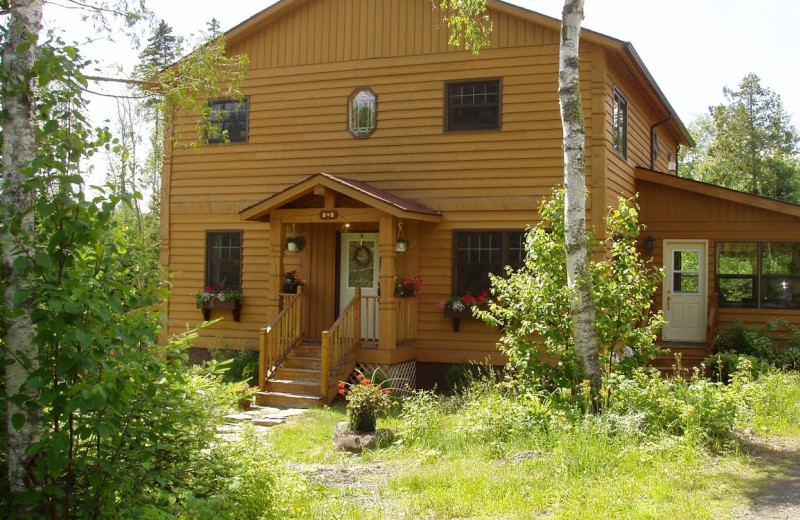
(239, 417)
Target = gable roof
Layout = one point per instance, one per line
(360, 191)
(748, 199)
(624, 50)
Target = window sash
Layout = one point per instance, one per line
(472, 105)
(620, 125)
(763, 275)
(478, 253)
(223, 259)
(228, 117)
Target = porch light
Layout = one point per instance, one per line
(649, 244)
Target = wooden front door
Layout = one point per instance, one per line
(360, 267)
(684, 296)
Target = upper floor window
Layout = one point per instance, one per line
(763, 275)
(224, 259)
(472, 105)
(362, 112)
(228, 121)
(620, 125)
(478, 253)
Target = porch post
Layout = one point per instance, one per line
(275, 268)
(387, 336)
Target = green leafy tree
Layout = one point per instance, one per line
(747, 143)
(533, 303)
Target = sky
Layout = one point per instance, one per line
(691, 47)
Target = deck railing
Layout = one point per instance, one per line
(340, 340)
(278, 338)
(406, 319)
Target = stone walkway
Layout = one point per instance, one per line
(257, 415)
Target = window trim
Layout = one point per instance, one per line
(350, 98)
(617, 95)
(246, 121)
(208, 233)
(446, 106)
(454, 252)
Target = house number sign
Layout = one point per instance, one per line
(328, 214)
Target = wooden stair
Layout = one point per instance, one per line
(692, 355)
(296, 382)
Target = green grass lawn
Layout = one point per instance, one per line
(580, 472)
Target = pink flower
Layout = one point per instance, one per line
(442, 304)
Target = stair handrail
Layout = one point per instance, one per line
(342, 338)
(279, 337)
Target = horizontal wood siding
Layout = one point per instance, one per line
(304, 67)
(643, 112)
(671, 213)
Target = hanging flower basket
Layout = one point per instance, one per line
(296, 244)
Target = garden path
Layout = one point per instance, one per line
(776, 490)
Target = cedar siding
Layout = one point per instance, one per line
(306, 58)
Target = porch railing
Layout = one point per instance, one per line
(278, 338)
(406, 319)
(343, 338)
(369, 319)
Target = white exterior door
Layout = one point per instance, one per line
(360, 267)
(684, 296)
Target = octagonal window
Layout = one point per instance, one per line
(362, 112)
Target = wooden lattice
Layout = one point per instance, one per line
(403, 376)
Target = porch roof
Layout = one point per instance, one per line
(681, 183)
(361, 191)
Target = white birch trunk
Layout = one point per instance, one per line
(19, 148)
(578, 279)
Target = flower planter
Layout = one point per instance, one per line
(233, 305)
(456, 316)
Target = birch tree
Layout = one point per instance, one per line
(19, 149)
(574, 143)
(468, 21)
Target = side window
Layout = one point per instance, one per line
(478, 253)
(228, 121)
(362, 112)
(224, 259)
(620, 125)
(472, 105)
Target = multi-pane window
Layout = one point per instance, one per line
(472, 105)
(620, 125)
(478, 253)
(228, 121)
(763, 275)
(224, 259)
(362, 112)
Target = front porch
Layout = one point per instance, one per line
(342, 319)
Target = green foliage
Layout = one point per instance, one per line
(236, 365)
(722, 367)
(776, 342)
(468, 22)
(532, 303)
(747, 143)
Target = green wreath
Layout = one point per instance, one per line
(361, 256)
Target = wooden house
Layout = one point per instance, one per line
(394, 154)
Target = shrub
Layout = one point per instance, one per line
(236, 365)
(776, 342)
(532, 304)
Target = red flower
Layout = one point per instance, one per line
(342, 391)
(365, 381)
(219, 284)
(387, 391)
(481, 300)
(209, 289)
(485, 294)
(468, 299)
(341, 384)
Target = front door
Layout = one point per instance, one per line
(360, 267)
(684, 295)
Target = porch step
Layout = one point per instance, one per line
(292, 361)
(311, 350)
(293, 386)
(692, 355)
(287, 400)
(305, 374)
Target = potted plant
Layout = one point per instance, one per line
(406, 286)
(291, 281)
(244, 395)
(296, 243)
(366, 400)
(219, 298)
